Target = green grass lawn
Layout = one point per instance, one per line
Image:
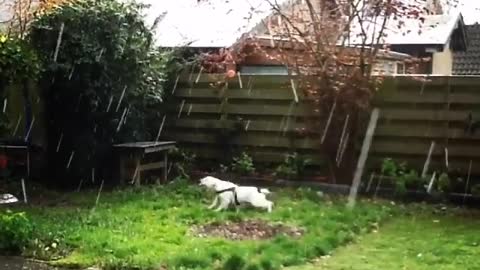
(148, 228)
(419, 241)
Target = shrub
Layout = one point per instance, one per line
(243, 164)
(15, 232)
(292, 167)
(103, 81)
(443, 183)
(475, 190)
(19, 64)
(402, 177)
(18, 61)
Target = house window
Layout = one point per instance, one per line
(400, 68)
(388, 67)
(264, 70)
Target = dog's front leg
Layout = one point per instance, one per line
(223, 205)
(215, 201)
(219, 208)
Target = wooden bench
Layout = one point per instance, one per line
(137, 153)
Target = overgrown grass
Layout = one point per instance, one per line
(421, 241)
(149, 227)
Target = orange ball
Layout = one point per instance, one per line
(231, 73)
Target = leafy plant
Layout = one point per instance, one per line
(104, 54)
(392, 168)
(223, 168)
(293, 166)
(402, 177)
(18, 61)
(18, 65)
(243, 164)
(15, 232)
(183, 162)
(443, 183)
(475, 190)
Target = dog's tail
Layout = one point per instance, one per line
(264, 191)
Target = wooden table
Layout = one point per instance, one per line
(137, 152)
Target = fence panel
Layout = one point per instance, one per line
(264, 113)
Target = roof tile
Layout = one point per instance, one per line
(468, 62)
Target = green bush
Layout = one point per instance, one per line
(105, 84)
(402, 177)
(293, 167)
(243, 164)
(475, 190)
(19, 65)
(15, 232)
(443, 183)
(18, 61)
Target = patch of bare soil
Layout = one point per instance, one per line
(18, 263)
(246, 230)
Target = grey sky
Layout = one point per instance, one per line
(470, 10)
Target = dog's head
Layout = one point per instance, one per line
(264, 191)
(209, 182)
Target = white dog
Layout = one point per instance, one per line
(229, 193)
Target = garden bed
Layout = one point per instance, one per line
(246, 230)
(18, 263)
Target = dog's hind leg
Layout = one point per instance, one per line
(214, 203)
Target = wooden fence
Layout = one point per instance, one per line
(262, 114)
(416, 113)
(256, 113)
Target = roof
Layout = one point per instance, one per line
(266, 40)
(435, 30)
(468, 62)
(210, 23)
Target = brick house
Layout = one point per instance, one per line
(225, 24)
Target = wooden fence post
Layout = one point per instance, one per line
(367, 141)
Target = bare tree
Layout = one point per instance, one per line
(24, 11)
